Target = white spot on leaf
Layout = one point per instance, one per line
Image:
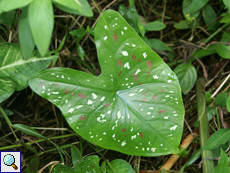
(127, 65)
(125, 53)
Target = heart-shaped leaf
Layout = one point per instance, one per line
(89, 164)
(134, 106)
(15, 70)
(118, 166)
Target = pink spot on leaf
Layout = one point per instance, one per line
(56, 84)
(73, 94)
(174, 120)
(144, 99)
(115, 36)
(119, 73)
(135, 76)
(82, 118)
(67, 91)
(149, 65)
(145, 92)
(141, 135)
(81, 96)
(139, 83)
(120, 63)
(138, 60)
(161, 90)
(133, 57)
(123, 130)
(107, 105)
(161, 111)
(155, 97)
(41, 84)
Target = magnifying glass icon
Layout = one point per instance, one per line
(9, 160)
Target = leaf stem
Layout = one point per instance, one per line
(208, 165)
(8, 122)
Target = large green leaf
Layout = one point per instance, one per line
(223, 164)
(227, 4)
(25, 35)
(197, 5)
(41, 22)
(80, 7)
(134, 106)
(6, 5)
(187, 76)
(15, 70)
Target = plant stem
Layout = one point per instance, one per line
(208, 165)
(8, 122)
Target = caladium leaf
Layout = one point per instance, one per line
(134, 106)
(15, 70)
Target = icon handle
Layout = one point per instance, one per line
(14, 166)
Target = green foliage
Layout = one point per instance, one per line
(6, 5)
(187, 76)
(123, 104)
(228, 103)
(15, 70)
(209, 16)
(221, 99)
(223, 164)
(158, 45)
(76, 156)
(219, 137)
(33, 165)
(119, 166)
(154, 26)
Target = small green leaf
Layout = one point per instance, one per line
(69, 4)
(155, 26)
(227, 4)
(221, 99)
(225, 18)
(81, 52)
(33, 165)
(89, 164)
(15, 70)
(228, 103)
(62, 168)
(210, 112)
(205, 52)
(187, 75)
(120, 166)
(76, 156)
(25, 35)
(41, 22)
(186, 11)
(141, 28)
(183, 24)
(79, 33)
(219, 137)
(223, 163)
(103, 167)
(158, 45)
(65, 5)
(197, 5)
(6, 5)
(209, 15)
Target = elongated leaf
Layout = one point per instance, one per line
(71, 4)
(183, 24)
(223, 164)
(205, 52)
(134, 106)
(89, 164)
(120, 166)
(66, 6)
(155, 26)
(228, 104)
(76, 156)
(187, 76)
(209, 15)
(197, 5)
(158, 45)
(227, 4)
(219, 137)
(6, 5)
(25, 35)
(223, 50)
(62, 168)
(41, 22)
(15, 70)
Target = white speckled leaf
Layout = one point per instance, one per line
(134, 106)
